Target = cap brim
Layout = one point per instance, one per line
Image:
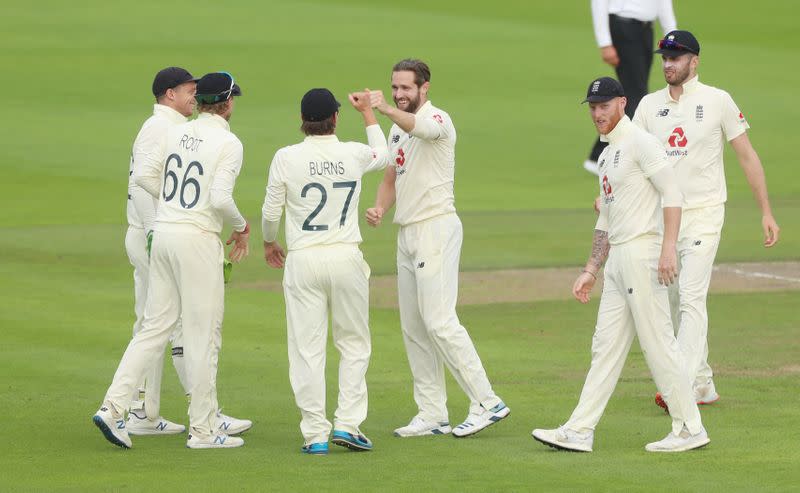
(237, 91)
(599, 99)
(674, 53)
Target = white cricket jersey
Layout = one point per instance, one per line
(425, 161)
(148, 145)
(642, 10)
(203, 159)
(319, 183)
(694, 130)
(630, 205)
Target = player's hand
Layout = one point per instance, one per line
(374, 216)
(609, 55)
(241, 247)
(668, 265)
(771, 230)
(361, 101)
(378, 102)
(583, 286)
(274, 254)
(597, 204)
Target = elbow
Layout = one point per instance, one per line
(217, 199)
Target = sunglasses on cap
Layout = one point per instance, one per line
(216, 98)
(671, 44)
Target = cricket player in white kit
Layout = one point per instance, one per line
(319, 183)
(422, 146)
(693, 121)
(195, 186)
(637, 183)
(174, 90)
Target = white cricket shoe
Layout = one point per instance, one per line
(112, 424)
(477, 422)
(232, 426)
(565, 439)
(706, 393)
(419, 427)
(217, 440)
(679, 443)
(145, 426)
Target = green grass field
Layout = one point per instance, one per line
(511, 75)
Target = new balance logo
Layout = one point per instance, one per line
(420, 265)
(663, 112)
(220, 439)
(121, 424)
(225, 425)
(161, 426)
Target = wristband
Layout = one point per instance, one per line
(591, 274)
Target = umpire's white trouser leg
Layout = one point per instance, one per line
(697, 247)
(314, 279)
(634, 300)
(433, 248)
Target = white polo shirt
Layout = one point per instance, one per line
(630, 205)
(319, 183)
(425, 161)
(148, 146)
(641, 10)
(694, 130)
(195, 182)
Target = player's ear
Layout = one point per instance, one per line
(424, 87)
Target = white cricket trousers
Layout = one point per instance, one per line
(185, 282)
(428, 254)
(150, 386)
(634, 303)
(698, 242)
(317, 281)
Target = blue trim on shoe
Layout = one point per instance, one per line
(98, 421)
(497, 408)
(319, 448)
(358, 443)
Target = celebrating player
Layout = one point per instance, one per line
(174, 90)
(422, 145)
(319, 183)
(186, 278)
(636, 182)
(692, 119)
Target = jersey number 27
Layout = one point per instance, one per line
(323, 199)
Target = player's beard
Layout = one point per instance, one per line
(413, 104)
(678, 76)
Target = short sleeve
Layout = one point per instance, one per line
(652, 155)
(733, 122)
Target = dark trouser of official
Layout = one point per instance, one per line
(633, 40)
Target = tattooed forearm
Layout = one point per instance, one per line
(600, 247)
